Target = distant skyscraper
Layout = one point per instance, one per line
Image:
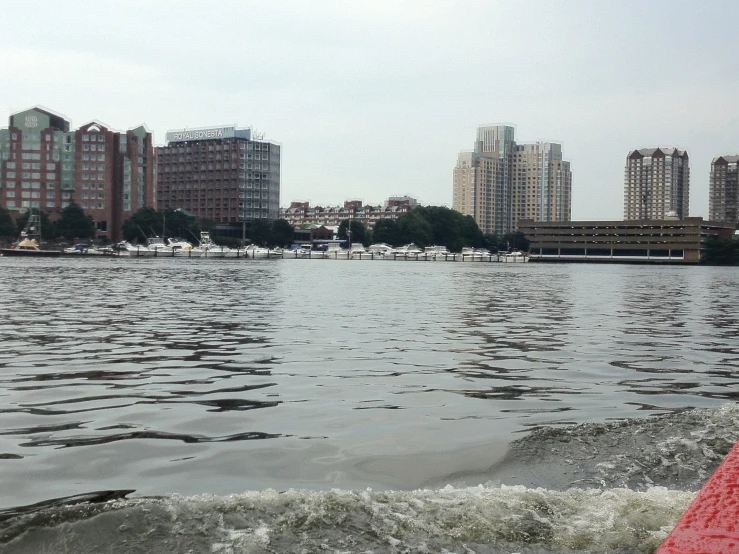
(501, 182)
(656, 184)
(723, 190)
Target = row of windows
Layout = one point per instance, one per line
(218, 147)
(93, 138)
(93, 147)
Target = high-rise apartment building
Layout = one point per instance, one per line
(46, 165)
(723, 190)
(656, 184)
(501, 182)
(220, 173)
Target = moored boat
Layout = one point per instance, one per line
(29, 242)
(512, 257)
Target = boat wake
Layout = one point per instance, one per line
(479, 520)
(616, 487)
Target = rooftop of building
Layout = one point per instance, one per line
(657, 152)
(726, 160)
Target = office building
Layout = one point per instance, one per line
(225, 174)
(723, 190)
(501, 182)
(46, 165)
(656, 184)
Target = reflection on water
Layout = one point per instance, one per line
(169, 376)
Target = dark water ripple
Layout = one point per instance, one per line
(169, 376)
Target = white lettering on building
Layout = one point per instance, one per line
(199, 135)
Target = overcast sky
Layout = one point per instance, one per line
(371, 99)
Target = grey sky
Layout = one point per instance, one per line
(371, 99)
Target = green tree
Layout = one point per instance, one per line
(439, 225)
(7, 224)
(492, 242)
(386, 230)
(514, 241)
(721, 252)
(74, 223)
(205, 224)
(282, 233)
(144, 223)
(177, 223)
(260, 232)
(414, 228)
(359, 231)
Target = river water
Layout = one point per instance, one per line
(359, 406)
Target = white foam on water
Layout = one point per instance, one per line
(481, 519)
(475, 519)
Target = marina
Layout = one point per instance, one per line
(209, 250)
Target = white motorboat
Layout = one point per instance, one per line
(408, 252)
(210, 249)
(380, 249)
(89, 250)
(125, 248)
(297, 252)
(159, 247)
(357, 251)
(469, 254)
(255, 252)
(336, 252)
(438, 253)
(513, 257)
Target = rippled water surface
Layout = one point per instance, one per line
(222, 376)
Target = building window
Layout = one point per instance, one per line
(85, 138)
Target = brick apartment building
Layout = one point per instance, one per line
(220, 173)
(300, 214)
(46, 165)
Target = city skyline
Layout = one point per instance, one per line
(368, 102)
